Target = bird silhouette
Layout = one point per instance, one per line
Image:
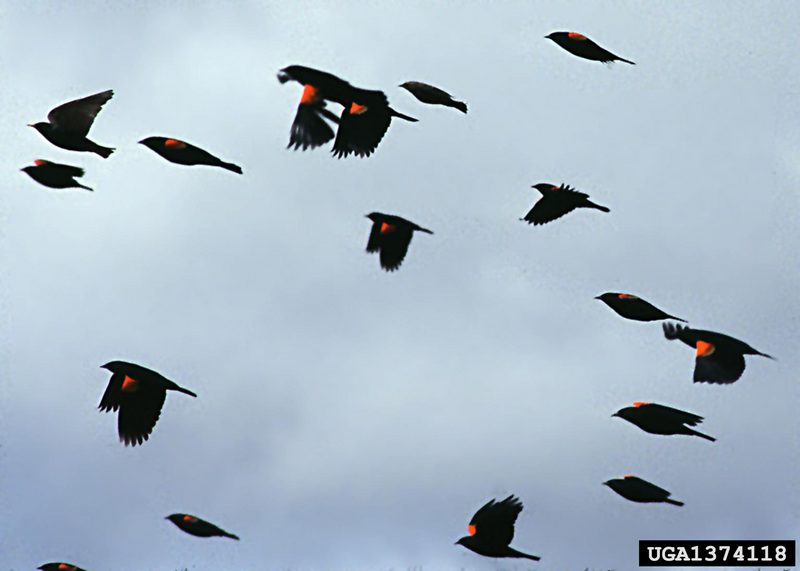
(637, 490)
(581, 46)
(139, 394)
(69, 124)
(631, 307)
(659, 419)
(433, 95)
(491, 530)
(719, 358)
(556, 201)
(390, 236)
(55, 175)
(193, 525)
(183, 153)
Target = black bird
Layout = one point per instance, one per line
(492, 529)
(581, 46)
(718, 358)
(433, 95)
(659, 419)
(182, 153)
(638, 490)
(198, 527)
(364, 120)
(391, 235)
(632, 307)
(69, 124)
(138, 393)
(556, 201)
(59, 567)
(55, 175)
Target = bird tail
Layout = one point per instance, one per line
(104, 152)
(673, 502)
(625, 60)
(460, 105)
(184, 391)
(421, 229)
(514, 553)
(401, 116)
(231, 167)
(590, 204)
(701, 435)
(85, 187)
(226, 534)
(676, 318)
(765, 355)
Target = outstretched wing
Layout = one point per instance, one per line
(717, 364)
(309, 129)
(362, 125)
(59, 169)
(77, 116)
(110, 399)
(494, 522)
(139, 410)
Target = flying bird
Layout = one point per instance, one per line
(55, 175)
(198, 527)
(635, 308)
(581, 46)
(364, 120)
(556, 201)
(138, 393)
(638, 490)
(718, 358)
(433, 95)
(390, 236)
(659, 419)
(183, 153)
(59, 567)
(492, 529)
(69, 124)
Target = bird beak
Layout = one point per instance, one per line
(598, 297)
(615, 414)
(30, 124)
(141, 142)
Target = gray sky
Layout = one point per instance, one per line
(353, 419)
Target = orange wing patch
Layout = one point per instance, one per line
(627, 296)
(386, 228)
(189, 519)
(576, 36)
(65, 567)
(704, 349)
(310, 95)
(40, 162)
(357, 109)
(129, 384)
(628, 476)
(638, 404)
(174, 144)
(471, 529)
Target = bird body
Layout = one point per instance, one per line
(638, 490)
(631, 307)
(556, 201)
(659, 419)
(138, 393)
(55, 175)
(433, 95)
(68, 125)
(59, 567)
(183, 153)
(491, 530)
(581, 46)
(364, 120)
(198, 527)
(719, 358)
(390, 236)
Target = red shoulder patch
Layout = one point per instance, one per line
(472, 530)
(65, 567)
(357, 108)
(174, 144)
(627, 296)
(189, 519)
(310, 95)
(40, 162)
(638, 404)
(626, 476)
(704, 349)
(129, 384)
(576, 36)
(386, 228)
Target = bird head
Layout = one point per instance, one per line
(152, 142)
(607, 297)
(544, 186)
(114, 366)
(175, 518)
(375, 216)
(465, 541)
(293, 72)
(41, 126)
(406, 84)
(625, 413)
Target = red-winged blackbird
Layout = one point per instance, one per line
(391, 235)
(138, 393)
(59, 567)
(659, 419)
(55, 175)
(364, 120)
(492, 529)
(719, 358)
(581, 46)
(632, 307)
(433, 95)
(70, 123)
(556, 201)
(198, 527)
(638, 490)
(182, 153)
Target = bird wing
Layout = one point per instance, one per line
(494, 522)
(547, 209)
(139, 411)
(674, 414)
(374, 241)
(309, 129)
(78, 115)
(65, 170)
(721, 366)
(393, 245)
(649, 488)
(110, 399)
(362, 127)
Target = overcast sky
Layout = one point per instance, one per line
(351, 419)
